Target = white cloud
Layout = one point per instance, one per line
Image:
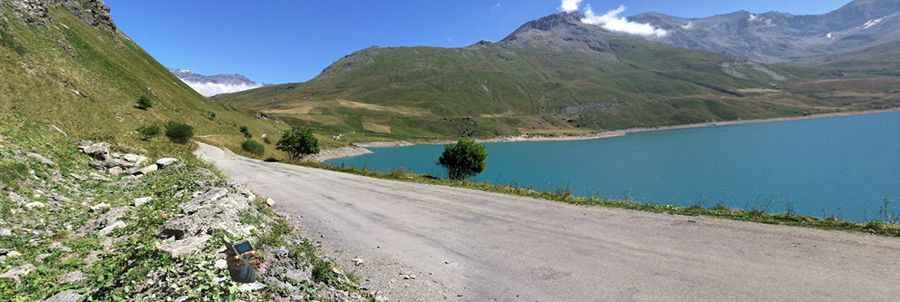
(569, 6)
(210, 89)
(613, 22)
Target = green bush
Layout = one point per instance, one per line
(246, 132)
(149, 132)
(179, 133)
(464, 159)
(254, 147)
(298, 142)
(144, 103)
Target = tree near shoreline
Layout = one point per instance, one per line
(298, 142)
(464, 159)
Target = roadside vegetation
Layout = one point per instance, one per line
(464, 159)
(298, 143)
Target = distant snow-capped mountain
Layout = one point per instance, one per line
(210, 85)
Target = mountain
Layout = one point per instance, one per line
(210, 85)
(65, 63)
(780, 37)
(557, 74)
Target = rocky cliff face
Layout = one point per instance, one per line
(781, 37)
(93, 12)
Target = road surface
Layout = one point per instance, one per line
(432, 243)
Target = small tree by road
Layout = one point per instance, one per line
(464, 159)
(298, 142)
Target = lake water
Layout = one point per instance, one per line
(841, 166)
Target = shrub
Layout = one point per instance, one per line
(464, 159)
(254, 147)
(179, 133)
(211, 116)
(149, 132)
(246, 132)
(144, 103)
(298, 142)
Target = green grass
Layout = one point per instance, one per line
(86, 81)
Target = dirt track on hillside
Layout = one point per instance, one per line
(464, 245)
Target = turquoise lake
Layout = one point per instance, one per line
(839, 166)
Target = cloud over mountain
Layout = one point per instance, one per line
(612, 21)
(215, 84)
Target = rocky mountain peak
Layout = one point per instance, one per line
(93, 12)
(547, 24)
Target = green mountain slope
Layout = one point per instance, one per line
(79, 74)
(553, 75)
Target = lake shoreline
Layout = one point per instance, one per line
(359, 149)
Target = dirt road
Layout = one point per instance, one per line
(432, 243)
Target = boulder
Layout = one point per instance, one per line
(134, 158)
(66, 296)
(112, 227)
(146, 170)
(165, 162)
(5, 232)
(98, 151)
(41, 159)
(115, 171)
(16, 273)
(72, 277)
(184, 247)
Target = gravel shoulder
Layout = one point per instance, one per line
(431, 243)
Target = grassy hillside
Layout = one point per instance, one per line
(553, 76)
(85, 80)
(492, 90)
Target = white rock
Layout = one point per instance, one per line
(35, 205)
(72, 277)
(221, 264)
(41, 159)
(99, 150)
(18, 272)
(134, 158)
(147, 170)
(5, 232)
(101, 207)
(165, 162)
(115, 171)
(142, 201)
(358, 261)
(66, 296)
(184, 247)
(270, 202)
(250, 287)
(112, 227)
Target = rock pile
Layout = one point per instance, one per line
(93, 12)
(117, 164)
(215, 209)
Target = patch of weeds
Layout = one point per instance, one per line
(12, 172)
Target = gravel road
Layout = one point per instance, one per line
(432, 243)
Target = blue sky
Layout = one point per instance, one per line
(278, 41)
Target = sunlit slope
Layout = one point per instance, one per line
(86, 80)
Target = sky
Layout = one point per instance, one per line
(281, 41)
